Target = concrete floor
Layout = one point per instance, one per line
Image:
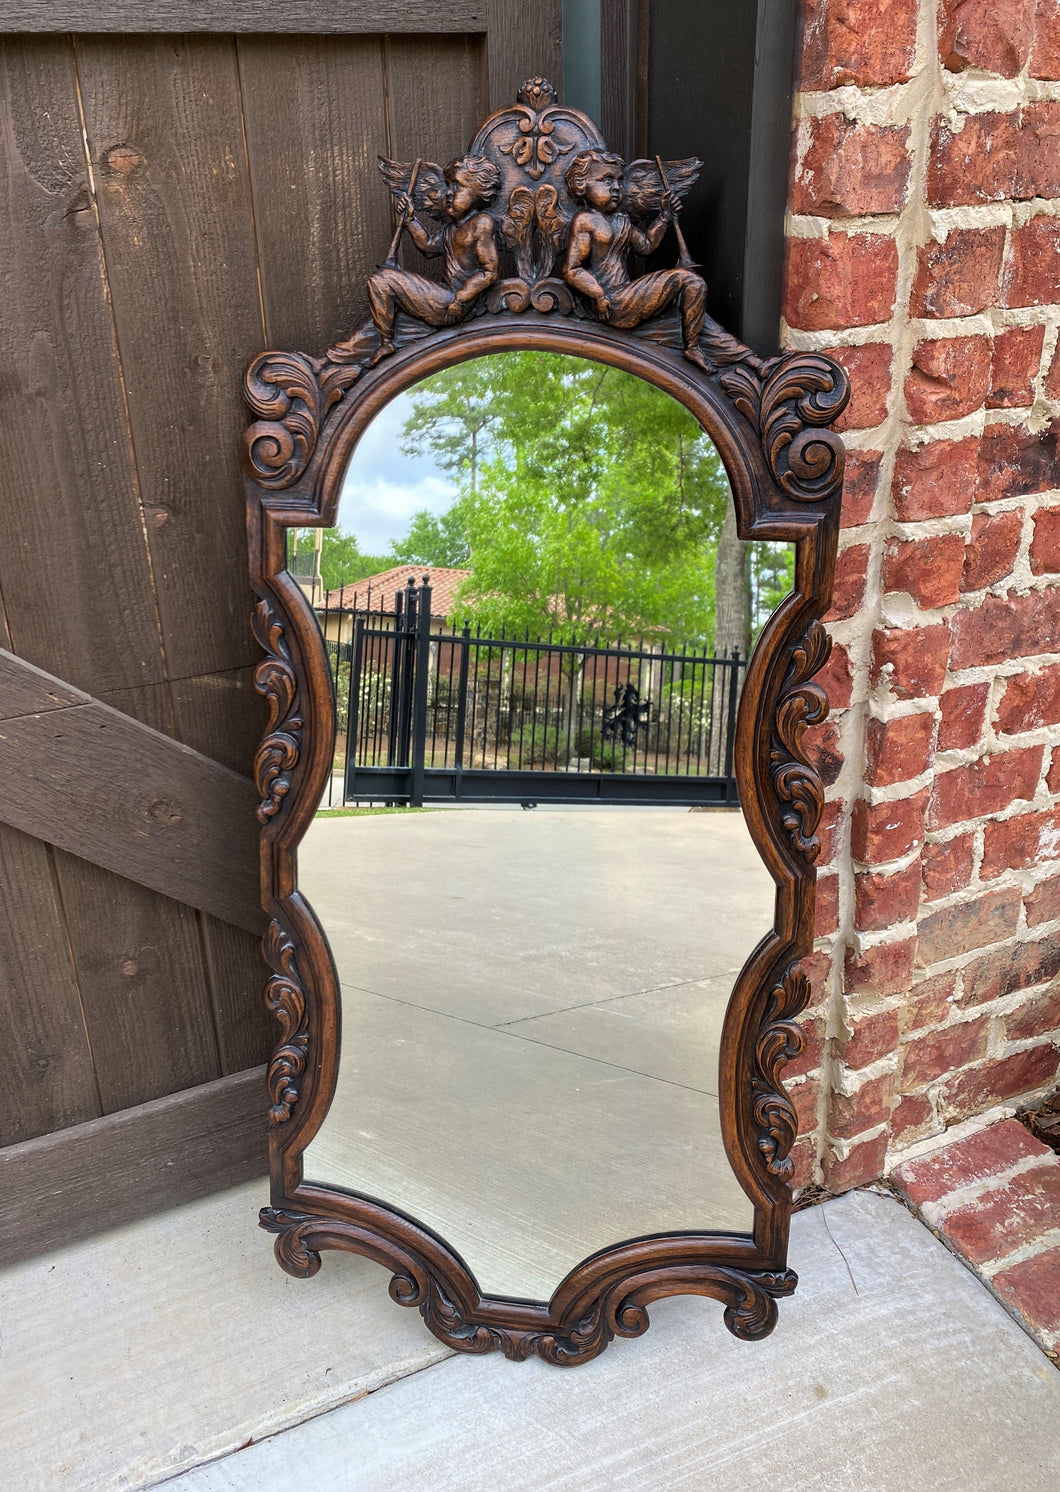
(161, 1349)
(532, 1008)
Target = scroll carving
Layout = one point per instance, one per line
(285, 998)
(787, 400)
(779, 1041)
(801, 704)
(275, 679)
(620, 1309)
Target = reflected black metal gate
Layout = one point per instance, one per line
(428, 714)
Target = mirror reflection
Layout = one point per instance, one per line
(530, 861)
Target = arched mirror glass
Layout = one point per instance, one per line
(529, 858)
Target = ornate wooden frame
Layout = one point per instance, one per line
(768, 421)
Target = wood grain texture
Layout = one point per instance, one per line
(316, 123)
(221, 715)
(524, 41)
(243, 1025)
(141, 973)
(287, 16)
(162, 117)
(152, 1157)
(49, 1081)
(100, 785)
(70, 525)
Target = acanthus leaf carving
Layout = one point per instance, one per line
(788, 399)
(800, 705)
(275, 680)
(285, 998)
(779, 1040)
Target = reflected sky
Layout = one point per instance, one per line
(383, 488)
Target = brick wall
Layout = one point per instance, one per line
(924, 254)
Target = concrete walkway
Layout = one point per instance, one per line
(129, 1359)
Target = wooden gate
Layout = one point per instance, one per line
(174, 203)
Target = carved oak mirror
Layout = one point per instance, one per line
(537, 833)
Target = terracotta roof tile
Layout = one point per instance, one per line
(377, 592)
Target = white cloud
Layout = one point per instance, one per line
(382, 488)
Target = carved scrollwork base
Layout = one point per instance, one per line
(801, 704)
(620, 1309)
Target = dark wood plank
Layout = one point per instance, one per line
(246, 1031)
(100, 785)
(74, 567)
(618, 75)
(316, 123)
(141, 972)
(221, 715)
(524, 41)
(162, 117)
(48, 1077)
(67, 1186)
(287, 16)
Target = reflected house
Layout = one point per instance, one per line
(377, 595)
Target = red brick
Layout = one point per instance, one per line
(864, 1163)
(853, 1113)
(985, 786)
(836, 679)
(850, 170)
(1036, 1018)
(929, 569)
(826, 906)
(1052, 780)
(1030, 700)
(1045, 543)
(1032, 1287)
(929, 1003)
(848, 592)
(804, 1096)
(1043, 903)
(993, 157)
(1052, 377)
(860, 479)
(881, 901)
(883, 831)
(897, 750)
(823, 751)
(967, 1162)
(1004, 627)
(886, 969)
(914, 659)
(812, 1028)
(992, 550)
(846, 41)
(840, 281)
(960, 276)
(993, 1082)
(949, 377)
(869, 368)
(1031, 272)
(947, 1049)
(992, 35)
(1014, 844)
(826, 832)
(969, 924)
(913, 1117)
(816, 967)
(1009, 1217)
(804, 1159)
(1019, 966)
(1045, 54)
(1013, 461)
(873, 1036)
(963, 712)
(947, 867)
(1016, 358)
(937, 480)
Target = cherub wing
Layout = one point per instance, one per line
(645, 187)
(551, 219)
(428, 190)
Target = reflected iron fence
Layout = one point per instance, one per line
(426, 712)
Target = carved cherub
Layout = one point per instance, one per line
(602, 236)
(468, 241)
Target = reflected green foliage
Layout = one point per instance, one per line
(341, 560)
(588, 498)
